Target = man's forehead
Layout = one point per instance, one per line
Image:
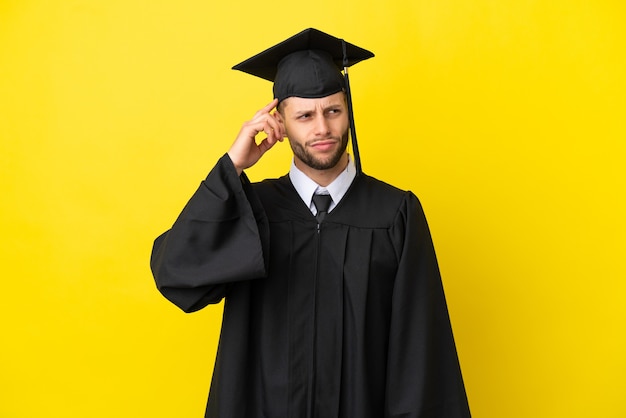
(302, 103)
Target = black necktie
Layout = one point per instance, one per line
(322, 203)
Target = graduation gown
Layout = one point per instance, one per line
(343, 319)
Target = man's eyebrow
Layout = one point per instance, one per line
(305, 110)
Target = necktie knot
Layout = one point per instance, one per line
(322, 203)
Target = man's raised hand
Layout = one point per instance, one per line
(245, 152)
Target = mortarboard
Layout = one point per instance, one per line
(309, 65)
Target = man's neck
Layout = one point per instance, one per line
(323, 177)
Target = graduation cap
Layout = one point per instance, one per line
(309, 65)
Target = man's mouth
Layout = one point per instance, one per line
(323, 145)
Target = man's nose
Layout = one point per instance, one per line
(322, 126)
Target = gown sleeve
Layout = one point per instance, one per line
(423, 374)
(220, 237)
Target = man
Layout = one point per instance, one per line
(334, 305)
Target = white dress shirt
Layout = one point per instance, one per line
(306, 187)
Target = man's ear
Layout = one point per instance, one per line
(279, 117)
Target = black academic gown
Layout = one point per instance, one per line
(344, 319)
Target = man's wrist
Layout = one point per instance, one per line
(237, 168)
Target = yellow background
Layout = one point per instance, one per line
(507, 119)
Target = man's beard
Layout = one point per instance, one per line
(303, 155)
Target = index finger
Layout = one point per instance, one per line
(271, 105)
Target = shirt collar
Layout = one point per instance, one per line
(306, 187)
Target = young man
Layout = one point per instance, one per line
(334, 305)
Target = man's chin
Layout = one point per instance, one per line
(324, 163)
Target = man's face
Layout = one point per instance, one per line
(317, 129)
